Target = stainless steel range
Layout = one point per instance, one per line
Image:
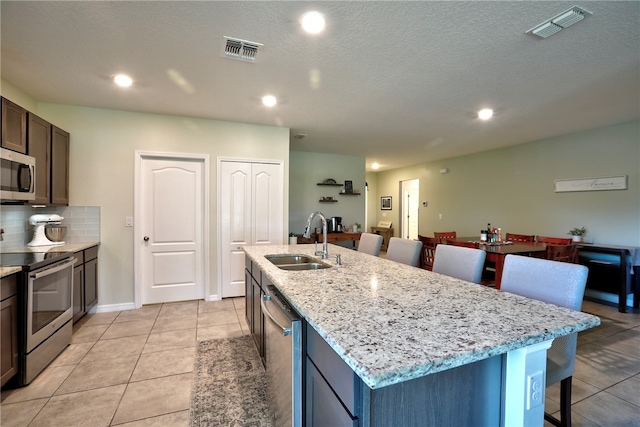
(45, 301)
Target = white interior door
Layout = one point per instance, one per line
(170, 226)
(235, 221)
(251, 213)
(410, 206)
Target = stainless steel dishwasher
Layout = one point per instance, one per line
(283, 358)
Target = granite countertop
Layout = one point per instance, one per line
(70, 247)
(392, 323)
(8, 271)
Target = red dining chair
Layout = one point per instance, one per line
(525, 238)
(562, 253)
(553, 240)
(442, 236)
(428, 251)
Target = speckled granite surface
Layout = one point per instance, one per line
(392, 323)
(71, 247)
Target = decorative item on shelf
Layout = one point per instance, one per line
(327, 199)
(348, 186)
(293, 239)
(385, 203)
(577, 234)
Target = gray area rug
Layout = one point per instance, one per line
(229, 385)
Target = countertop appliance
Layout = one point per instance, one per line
(45, 306)
(336, 224)
(283, 358)
(39, 222)
(17, 177)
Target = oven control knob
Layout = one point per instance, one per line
(146, 238)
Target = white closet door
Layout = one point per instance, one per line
(235, 208)
(251, 213)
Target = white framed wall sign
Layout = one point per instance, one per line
(591, 184)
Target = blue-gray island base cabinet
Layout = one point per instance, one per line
(388, 344)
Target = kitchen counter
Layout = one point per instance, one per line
(392, 323)
(8, 271)
(70, 247)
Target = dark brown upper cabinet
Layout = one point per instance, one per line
(39, 136)
(14, 127)
(59, 166)
(50, 147)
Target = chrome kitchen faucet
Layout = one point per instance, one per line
(307, 233)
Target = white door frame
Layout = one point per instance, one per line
(219, 243)
(137, 209)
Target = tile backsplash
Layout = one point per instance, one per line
(83, 224)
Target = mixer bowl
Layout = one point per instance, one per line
(55, 233)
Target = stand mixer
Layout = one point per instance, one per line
(39, 222)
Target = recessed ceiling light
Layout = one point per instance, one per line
(269, 100)
(312, 22)
(375, 166)
(485, 114)
(122, 80)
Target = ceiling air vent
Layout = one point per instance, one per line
(559, 22)
(240, 49)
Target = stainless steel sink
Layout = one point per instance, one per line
(296, 262)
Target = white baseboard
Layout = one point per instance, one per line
(105, 308)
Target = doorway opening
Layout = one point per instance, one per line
(409, 208)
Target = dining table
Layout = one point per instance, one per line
(496, 252)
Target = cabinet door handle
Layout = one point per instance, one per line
(145, 238)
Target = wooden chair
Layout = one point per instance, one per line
(459, 262)
(560, 284)
(442, 236)
(562, 253)
(472, 245)
(405, 251)
(553, 240)
(511, 237)
(428, 251)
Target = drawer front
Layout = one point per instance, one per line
(323, 408)
(8, 286)
(79, 256)
(344, 382)
(91, 253)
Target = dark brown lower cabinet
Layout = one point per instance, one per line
(85, 282)
(8, 328)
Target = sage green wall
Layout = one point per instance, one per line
(102, 153)
(306, 170)
(513, 188)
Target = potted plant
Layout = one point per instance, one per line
(293, 239)
(356, 227)
(577, 233)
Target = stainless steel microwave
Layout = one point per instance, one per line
(17, 177)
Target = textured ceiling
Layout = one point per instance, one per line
(396, 82)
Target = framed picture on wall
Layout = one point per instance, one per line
(385, 203)
(348, 186)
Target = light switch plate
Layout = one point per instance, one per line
(128, 221)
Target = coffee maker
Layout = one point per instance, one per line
(336, 224)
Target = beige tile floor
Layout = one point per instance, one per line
(134, 368)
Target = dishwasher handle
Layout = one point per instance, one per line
(285, 331)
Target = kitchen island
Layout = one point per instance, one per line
(428, 349)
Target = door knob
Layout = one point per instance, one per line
(146, 238)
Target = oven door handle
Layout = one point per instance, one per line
(53, 269)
